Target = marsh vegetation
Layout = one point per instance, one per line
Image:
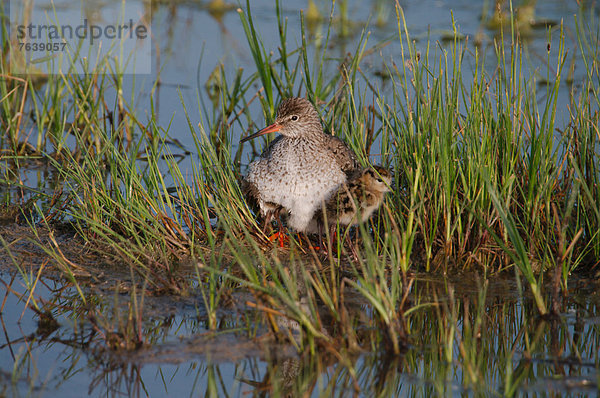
(477, 275)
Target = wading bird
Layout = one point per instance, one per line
(300, 169)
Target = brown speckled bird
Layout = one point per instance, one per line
(355, 201)
(301, 168)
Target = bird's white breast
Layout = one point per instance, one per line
(298, 175)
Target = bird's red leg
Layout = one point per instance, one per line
(280, 236)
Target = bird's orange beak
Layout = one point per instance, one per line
(269, 129)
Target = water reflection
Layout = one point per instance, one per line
(464, 339)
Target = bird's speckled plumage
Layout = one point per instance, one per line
(301, 168)
(355, 201)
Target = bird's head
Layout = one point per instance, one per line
(378, 178)
(296, 118)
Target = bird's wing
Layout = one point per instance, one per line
(344, 156)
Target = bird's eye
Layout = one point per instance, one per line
(294, 118)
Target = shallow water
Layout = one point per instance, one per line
(494, 329)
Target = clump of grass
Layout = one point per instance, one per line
(483, 179)
(503, 143)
